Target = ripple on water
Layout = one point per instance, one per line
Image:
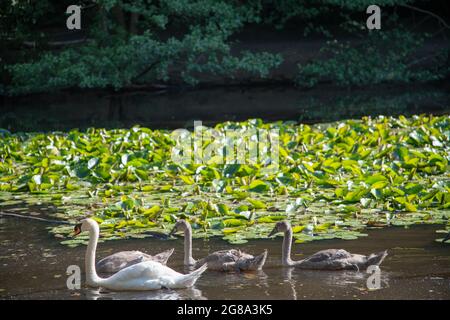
(418, 271)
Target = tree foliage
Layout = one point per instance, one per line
(140, 42)
(382, 57)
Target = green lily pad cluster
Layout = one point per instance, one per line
(333, 180)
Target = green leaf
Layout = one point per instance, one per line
(410, 207)
(187, 180)
(152, 212)
(223, 209)
(297, 229)
(233, 222)
(258, 186)
(257, 204)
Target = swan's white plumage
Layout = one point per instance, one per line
(147, 275)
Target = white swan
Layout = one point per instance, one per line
(147, 275)
(330, 259)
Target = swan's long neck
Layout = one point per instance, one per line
(286, 254)
(91, 274)
(188, 259)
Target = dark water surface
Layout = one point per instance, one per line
(178, 109)
(33, 266)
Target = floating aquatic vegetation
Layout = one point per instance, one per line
(332, 181)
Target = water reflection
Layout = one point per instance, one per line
(179, 109)
(298, 279)
(287, 276)
(261, 281)
(38, 271)
(163, 294)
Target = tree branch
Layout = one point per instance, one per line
(431, 56)
(145, 71)
(441, 20)
(133, 22)
(118, 12)
(15, 215)
(89, 6)
(33, 44)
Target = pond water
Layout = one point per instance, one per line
(177, 109)
(33, 266)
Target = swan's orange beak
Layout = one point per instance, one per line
(77, 229)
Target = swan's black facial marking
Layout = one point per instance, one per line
(77, 229)
(173, 231)
(281, 226)
(446, 237)
(273, 232)
(177, 227)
